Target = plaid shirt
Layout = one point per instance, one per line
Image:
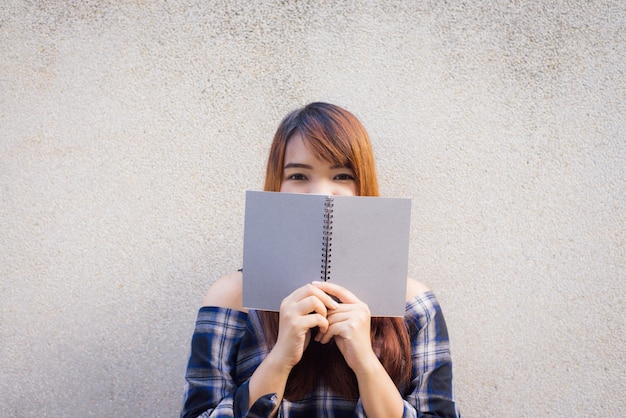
(228, 345)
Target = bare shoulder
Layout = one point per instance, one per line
(414, 288)
(225, 292)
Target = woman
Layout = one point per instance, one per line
(317, 357)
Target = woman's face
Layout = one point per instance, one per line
(303, 173)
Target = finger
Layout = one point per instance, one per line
(346, 321)
(333, 331)
(305, 292)
(311, 304)
(337, 322)
(328, 300)
(315, 320)
(339, 291)
(354, 312)
(310, 289)
(339, 316)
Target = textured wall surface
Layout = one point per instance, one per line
(130, 130)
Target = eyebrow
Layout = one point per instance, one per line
(310, 167)
(298, 165)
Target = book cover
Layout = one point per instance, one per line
(357, 242)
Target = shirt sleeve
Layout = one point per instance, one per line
(430, 393)
(221, 361)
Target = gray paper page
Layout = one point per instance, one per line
(282, 251)
(370, 251)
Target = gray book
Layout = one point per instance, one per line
(361, 243)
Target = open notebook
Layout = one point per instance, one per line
(360, 243)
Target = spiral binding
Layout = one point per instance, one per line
(327, 239)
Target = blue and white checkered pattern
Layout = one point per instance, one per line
(228, 345)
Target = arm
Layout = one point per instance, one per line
(304, 309)
(211, 383)
(431, 393)
(266, 385)
(379, 395)
(350, 327)
(374, 382)
(224, 354)
(431, 386)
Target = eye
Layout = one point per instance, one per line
(344, 177)
(296, 177)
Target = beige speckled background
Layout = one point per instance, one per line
(129, 131)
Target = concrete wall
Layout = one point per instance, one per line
(130, 130)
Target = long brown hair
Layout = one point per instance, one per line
(333, 134)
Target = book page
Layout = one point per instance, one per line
(283, 236)
(369, 251)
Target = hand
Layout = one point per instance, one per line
(305, 308)
(349, 325)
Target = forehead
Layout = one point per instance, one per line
(296, 149)
(299, 147)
